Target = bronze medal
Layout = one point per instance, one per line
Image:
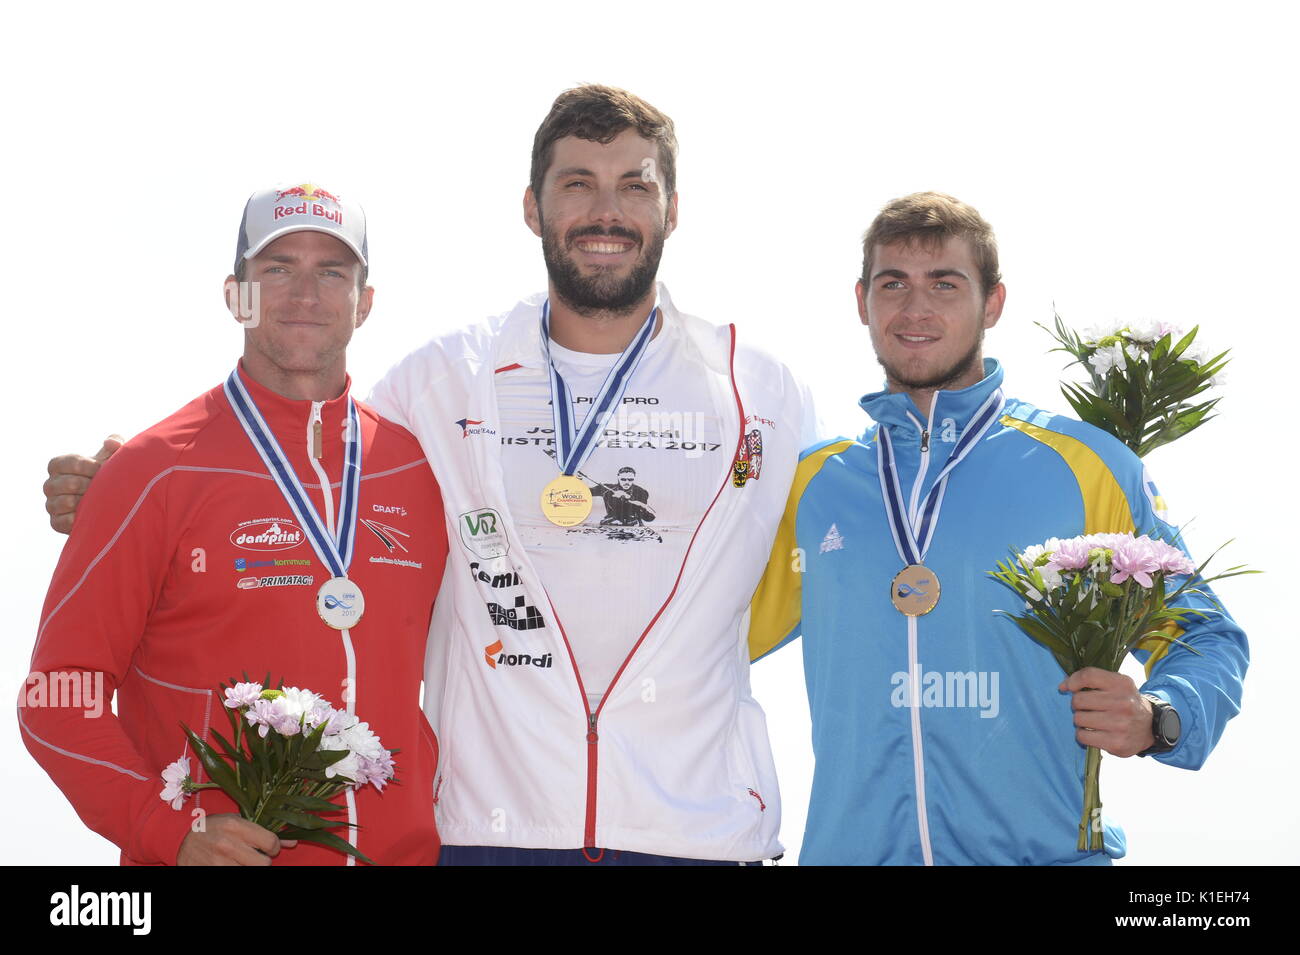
(914, 590)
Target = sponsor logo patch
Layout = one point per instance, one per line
(267, 534)
(469, 426)
(522, 616)
(242, 563)
(495, 655)
(387, 534)
(287, 203)
(279, 580)
(832, 540)
(482, 532)
(748, 464)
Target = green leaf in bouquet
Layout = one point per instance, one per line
(306, 820)
(1109, 589)
(277, 752)
(228, 748)
(310, 803)
(1099, 613)
(1189, 420)
(220, 773)
(323, 758)
(233, 716)
(1070, 342)
(1184, 342)
(326, 839)
(1059, 649)
(311, 740)
(1165, 637)
(245, 770)
(1095, 410)
(260, 753)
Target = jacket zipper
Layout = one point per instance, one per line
(918, 753)
(591, 735)
(913, 655)
(315, 451)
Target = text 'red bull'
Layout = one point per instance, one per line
(309, 208)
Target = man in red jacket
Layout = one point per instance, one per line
(272, 525)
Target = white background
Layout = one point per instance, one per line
(1136, 160)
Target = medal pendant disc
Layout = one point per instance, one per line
(914, 590)
(340, 603)
(566, 501)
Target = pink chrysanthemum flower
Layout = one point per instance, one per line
(242, 694)
(1136, 558)
(175, 775)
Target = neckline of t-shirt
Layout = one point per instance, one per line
(567, 356)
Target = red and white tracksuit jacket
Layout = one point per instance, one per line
(186, 569)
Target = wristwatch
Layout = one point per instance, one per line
(1165, 726)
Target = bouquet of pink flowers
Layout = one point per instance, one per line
(1090, 601)
(283, 776)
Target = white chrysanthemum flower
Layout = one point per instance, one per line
(346, 767)
(1051, 577)
(1145, 330)
(1107, 357)
(1095, 333)
(1031, 554)
(360, 740)
(298, 703)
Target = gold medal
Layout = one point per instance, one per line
(915, 590)
(566, 501)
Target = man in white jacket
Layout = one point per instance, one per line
(588, 678)
(597, 700)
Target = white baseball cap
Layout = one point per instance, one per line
(272, 213)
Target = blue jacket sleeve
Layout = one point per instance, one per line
(1203, 686)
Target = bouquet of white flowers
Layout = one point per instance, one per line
(1143, 379)
(1090, 601)
(283, 776)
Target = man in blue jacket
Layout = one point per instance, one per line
(942, 734)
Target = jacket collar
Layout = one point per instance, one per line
(894, 408)
(288, 417)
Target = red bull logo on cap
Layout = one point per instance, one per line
(312, 197)
(307, 191)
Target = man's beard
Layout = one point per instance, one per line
(603, 291)
(941, 379)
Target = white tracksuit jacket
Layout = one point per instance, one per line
(684, 770)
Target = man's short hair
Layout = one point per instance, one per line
(598, 114)
(929, 219)
(622, 471)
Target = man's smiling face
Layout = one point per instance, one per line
(603, 218)
(927, 314)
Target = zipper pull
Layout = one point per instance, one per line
(591, 728)
(316, 437)
(925, 439)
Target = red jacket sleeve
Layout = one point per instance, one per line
(105, 586)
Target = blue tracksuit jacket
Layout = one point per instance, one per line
(943, 739)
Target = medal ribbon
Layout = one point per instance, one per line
(334, 548)
(576, 444)
(913, 539)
